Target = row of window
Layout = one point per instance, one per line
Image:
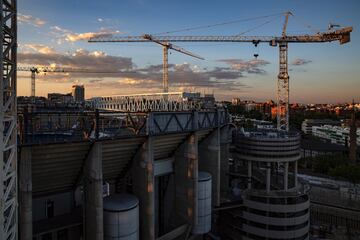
(277, 214)
(257, 237)
(268, 156)
(276, 227)
(270, 150)
(280, 201)
(259, 141)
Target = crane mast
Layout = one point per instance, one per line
(8, 122)
(165, 69)
(283, 91)
(342, 35)
(166, 46)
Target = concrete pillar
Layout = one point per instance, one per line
(186, 180)
(249, 174)
(25, 195)
(296, 173)
(286, 176)
(143, 187)
(224, 159)
(268, 177)
(209, 161)
(94, 194)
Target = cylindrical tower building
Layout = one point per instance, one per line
(276, 206)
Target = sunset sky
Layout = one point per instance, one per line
(55, 32)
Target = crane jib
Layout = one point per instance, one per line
(343, 35)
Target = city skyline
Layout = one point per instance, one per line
(318, 73)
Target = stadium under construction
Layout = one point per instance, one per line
(158, 166)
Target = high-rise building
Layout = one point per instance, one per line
(78, 93)
(236, 101)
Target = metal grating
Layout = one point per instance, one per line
(117, 154)
(165, 146)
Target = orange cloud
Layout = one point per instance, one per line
(74, 37)
(39, 48)
(28, 19)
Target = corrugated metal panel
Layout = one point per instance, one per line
(165, 146)
(117, 154)
(163, 166)
(56, 167)
(203, 134)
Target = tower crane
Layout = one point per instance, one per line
(166, 46)
(340, 34)
(37, 70)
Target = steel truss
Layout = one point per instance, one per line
(172, 101)
(8, 119)
(283, 89)
(56, 126)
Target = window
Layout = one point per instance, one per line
(49, 208)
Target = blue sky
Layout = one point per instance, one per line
(330, 72)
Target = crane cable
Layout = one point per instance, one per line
(218, 24)
(306, 24)
(258, 26)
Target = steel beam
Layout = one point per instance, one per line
(8, 119)
(172, 101)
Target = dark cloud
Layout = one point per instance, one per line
(81, 59)
(300, 62)
(180, 75)
(251, 66)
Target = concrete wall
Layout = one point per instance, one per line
(224, 159)
(63, 204)
(210, 160)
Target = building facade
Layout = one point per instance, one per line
(335, 134)
(307, 124)
(78, 93)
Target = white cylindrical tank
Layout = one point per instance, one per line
(204, 204)
(121, 217)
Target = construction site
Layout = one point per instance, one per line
(154, 166)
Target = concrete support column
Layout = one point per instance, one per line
(186, 180)
(224, 159)
(286, 175)
(210, 161)
(296, 173)
(268, 177)
(25, 195)
(94, 194)
(249, 174)
(143, 187)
